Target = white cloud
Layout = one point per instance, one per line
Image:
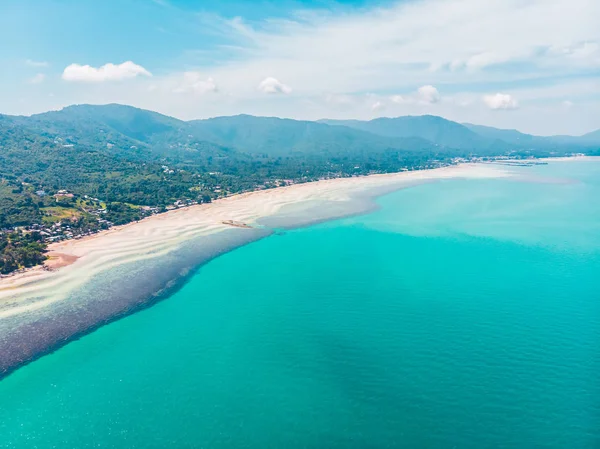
(428, 95)
(486, 59)
(586, 50)
(273, 86)
(395, 48)
(32, 63)
(500, 101)
(193, 82)
(577, 50)
(378, 106)
(399, 99)
(586, 54)
(579, 55)
(479, 61)
(37, 79)
(424, 95)
(107, 72)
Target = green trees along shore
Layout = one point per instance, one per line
(72, 172)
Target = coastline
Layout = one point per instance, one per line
(60, 256)
(339, 191)
(578, 158)
(117, 272)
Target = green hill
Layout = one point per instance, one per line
(93, 166)
(285, 137)
(593, 137)
(478, 139)
(437, 130)
(586, 144)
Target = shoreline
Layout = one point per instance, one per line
(112, 274)
(61, 250)
(58, 259)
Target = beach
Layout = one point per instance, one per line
(466, 307)
(97, 279)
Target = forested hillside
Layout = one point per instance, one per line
(479, 139)
(72, 172)
(444, 132)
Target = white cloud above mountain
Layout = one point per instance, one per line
(428, 94)
(400, 99)
(193, 82)
(272, 85)
(500, 101)
(107, 72)
(378, 106)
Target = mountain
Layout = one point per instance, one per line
(107, 123)
(136, 124)
(123, 131)
(478, 139)
(127, 155)
(119, 163)
(131, 132)
(594, 136)
(121, 126)
(437, 130)
(284, 137)
(506, 135)
(584, 143)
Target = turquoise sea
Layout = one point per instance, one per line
(461, 314)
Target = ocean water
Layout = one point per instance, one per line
(461, 314)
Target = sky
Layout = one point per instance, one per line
(530, 65)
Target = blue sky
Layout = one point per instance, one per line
(534, 65)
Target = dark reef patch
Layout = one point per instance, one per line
(109, 296)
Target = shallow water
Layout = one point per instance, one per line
(464, 313)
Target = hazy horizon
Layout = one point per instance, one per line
(500, 64)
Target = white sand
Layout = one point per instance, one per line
(159, 234)
(571, 159)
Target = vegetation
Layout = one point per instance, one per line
(72, 172)
(20, 250)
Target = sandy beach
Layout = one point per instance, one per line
(71, 262)
(91, 281)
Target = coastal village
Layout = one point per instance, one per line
(75, 216)
(55, 228)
